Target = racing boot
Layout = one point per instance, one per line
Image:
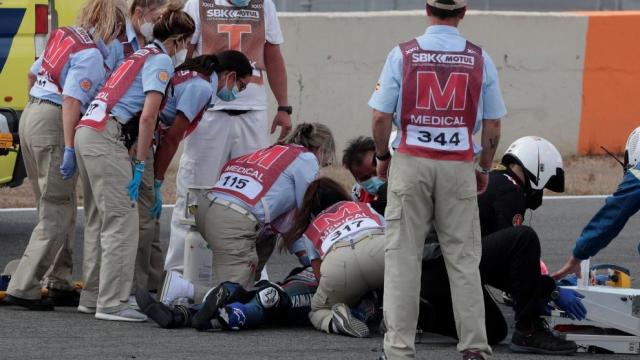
(539, 339)
(176, 287)
(346, 324)
(213, 301)
(166, 317)
(64, 297)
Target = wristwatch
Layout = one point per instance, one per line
(483, 171)
(287, 109)
(386, 156)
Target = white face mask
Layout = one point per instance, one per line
(179, 57)
(146, 29)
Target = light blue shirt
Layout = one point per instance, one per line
(189, 98)
(286, 193)
(80, 78)
(154, 76)
(388, 95)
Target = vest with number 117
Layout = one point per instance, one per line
(440, 95)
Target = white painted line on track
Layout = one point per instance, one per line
(79, 208)
(567, 197)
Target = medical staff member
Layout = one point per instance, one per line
(254, 192)
(235, 124)
(607, 223)
(442, 88)
(62, 83)
(190, 93)
(344, 242)
(137, 86)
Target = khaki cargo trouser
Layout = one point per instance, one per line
(149, 258)
(347, 274)
(111, 230)
(232, 237)
(49, 252)
(425, 193)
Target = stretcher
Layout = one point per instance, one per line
(612, 324)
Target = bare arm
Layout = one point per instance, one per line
(31, 80)
(277, 74)
(490, 141)
(382, 124)
(70, 118)
(148, 121)
(169, 145)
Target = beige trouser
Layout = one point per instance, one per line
(426, 193)
(111, 231)
(348, 273)
(232, 237)
(42, 146)
(149, 259)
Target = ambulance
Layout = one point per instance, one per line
(24, 30)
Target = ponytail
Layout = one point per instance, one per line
(174, 23)
(229, 60)
(315, 137)
(106, 18)
(320, 195)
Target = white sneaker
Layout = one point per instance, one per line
(123, 315)
(86, 309)
(344, 323)
(133, 303)
(175, 286)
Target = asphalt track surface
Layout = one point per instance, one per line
(66, 334)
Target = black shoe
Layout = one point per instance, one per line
(164, 316)
(540, 340)
(472, 355)
(216, 299)
(35, 305)
(60, 297)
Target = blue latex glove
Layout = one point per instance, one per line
(68, 167)
(134, 184)
(569, 301)
(156, 210)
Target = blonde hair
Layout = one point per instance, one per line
(145, 4)
(174, 23)
(106, 18)
(317, 138)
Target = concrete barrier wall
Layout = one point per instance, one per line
(562, 77)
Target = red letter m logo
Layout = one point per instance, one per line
(452, 97)
(330, 218)
(266, 157)
(59, 46)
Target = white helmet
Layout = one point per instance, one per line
(541, 161)
(632, 149)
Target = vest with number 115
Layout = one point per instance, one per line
(440, 95)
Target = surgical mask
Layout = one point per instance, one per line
(229, 95)
(179, 57)
(146, 29)
(372, 185)
(240, 3)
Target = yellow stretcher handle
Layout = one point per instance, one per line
(6, 141)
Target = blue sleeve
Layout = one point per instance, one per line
(304, 245)
(35, 68)
(611, 218)
(192, 96)
(156, 73)
(116, 55)
(387, 93)
(306, 171)
(492, 103)
(86, 73)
